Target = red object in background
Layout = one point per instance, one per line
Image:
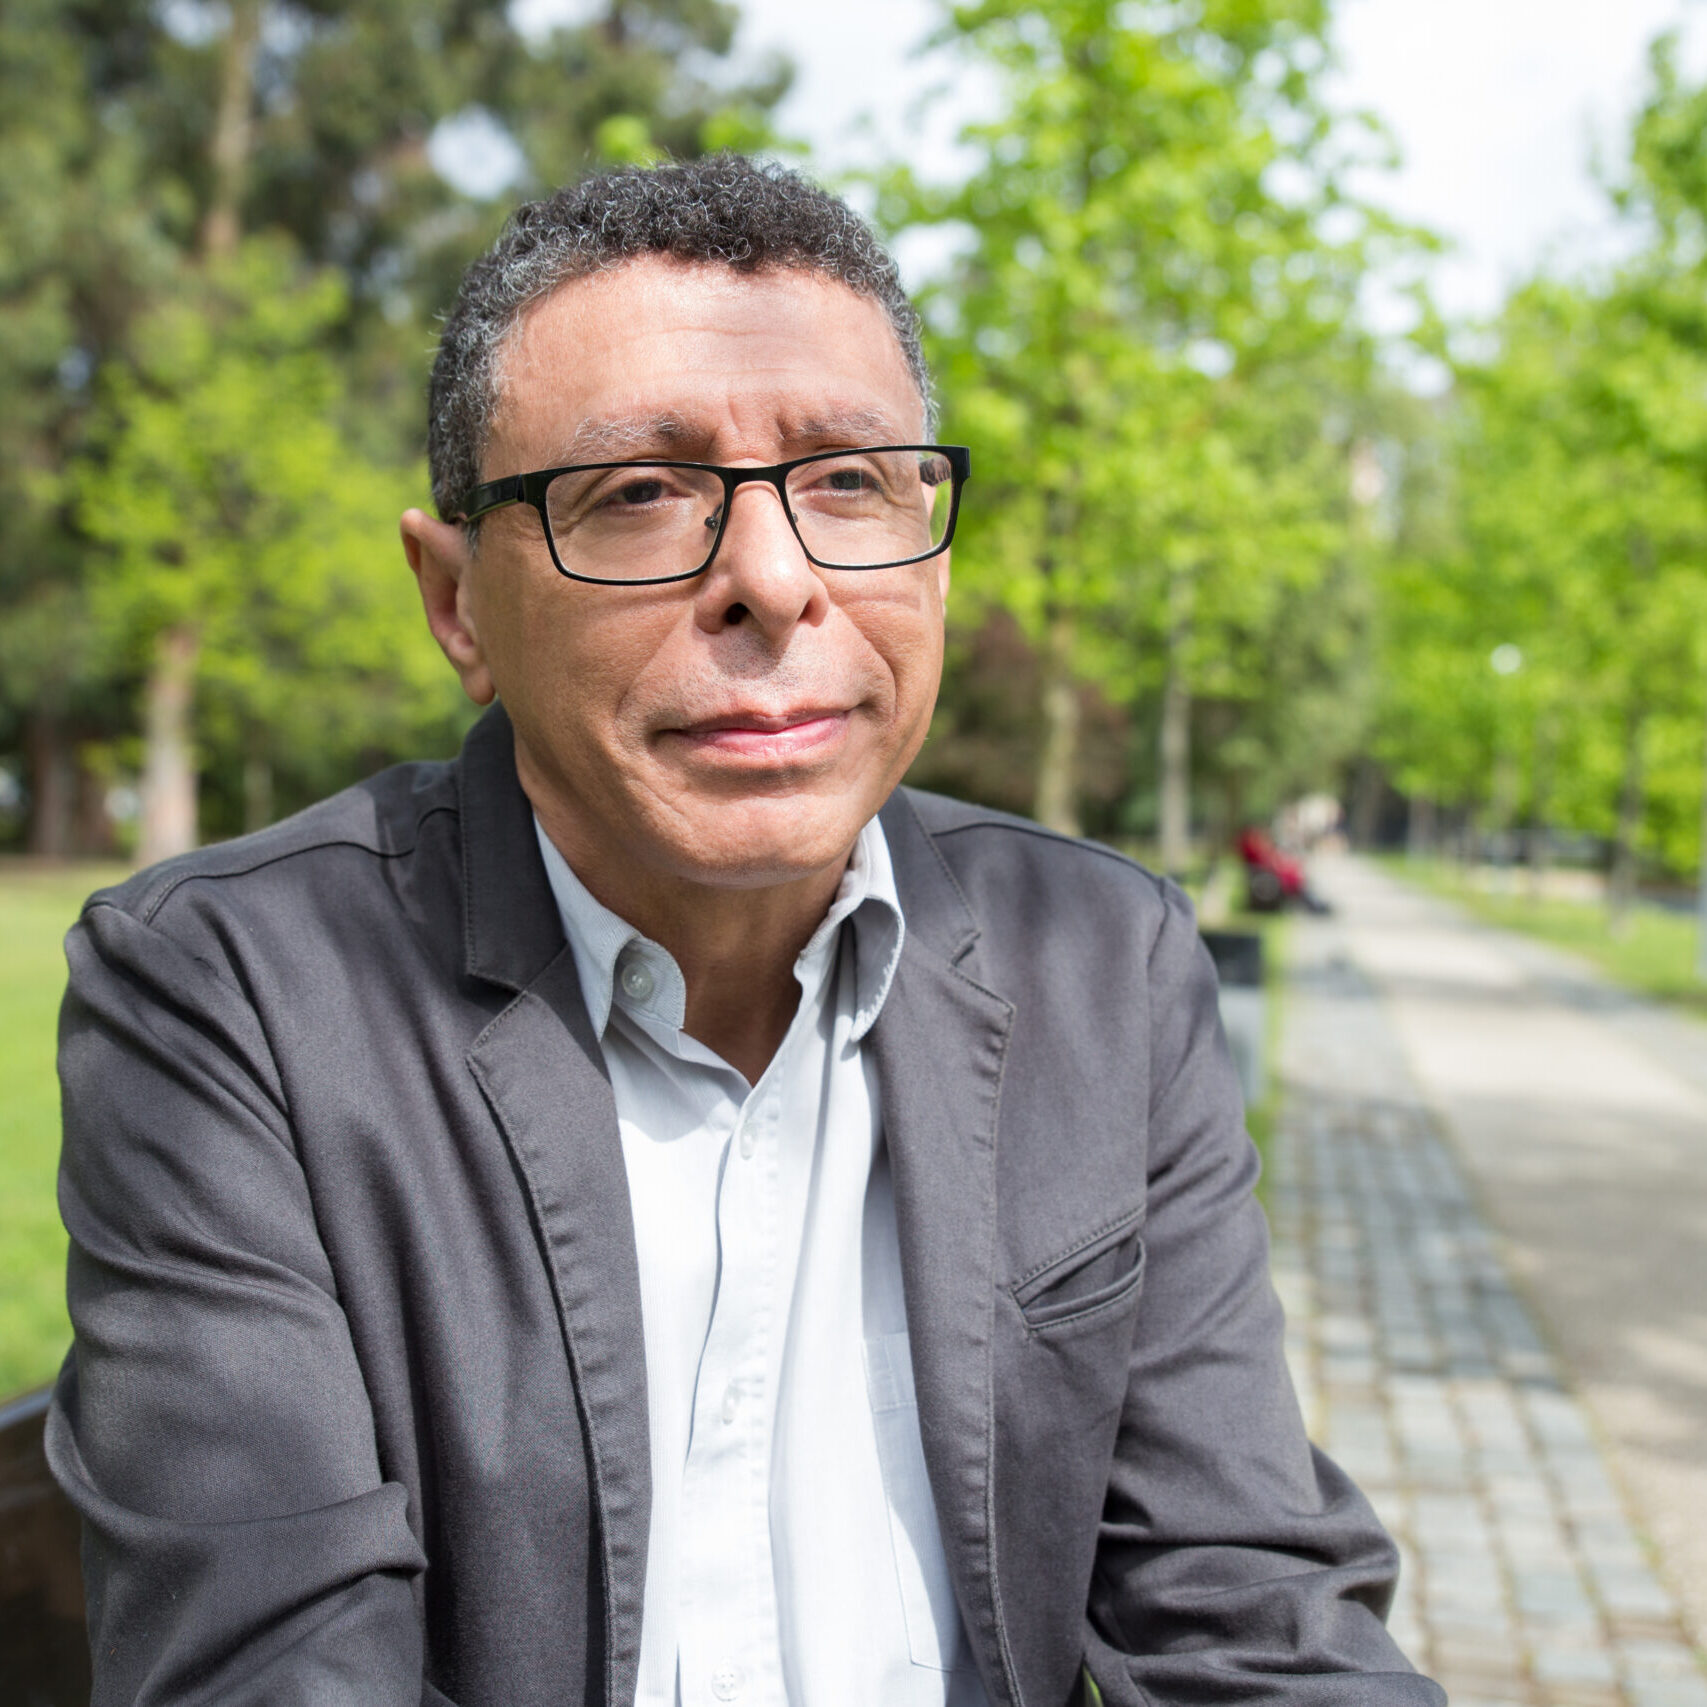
(1260, 854)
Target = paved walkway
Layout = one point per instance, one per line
(1527, 1581)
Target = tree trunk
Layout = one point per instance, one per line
(1366, 793)
(93, 834)
(1502, 802)
(52, 781)
(1540, 837)
(1621, 886)
(168, 766)
(1419, 828)
(1232, 815)
(233, 136)
(1176, 733)
(1057, 799)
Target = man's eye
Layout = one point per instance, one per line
(637, 492)
(844, 480)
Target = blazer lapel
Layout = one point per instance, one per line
(543, 1075)
(939, 1045)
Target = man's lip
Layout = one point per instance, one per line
(767, 739)
(760, 722)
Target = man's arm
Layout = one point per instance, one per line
(1235, 1564)
(211, 1424)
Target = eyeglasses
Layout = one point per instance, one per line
(644, 523)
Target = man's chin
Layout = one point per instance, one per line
(755, 843)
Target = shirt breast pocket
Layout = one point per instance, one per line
(935, 1636)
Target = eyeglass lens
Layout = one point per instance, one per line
(641, 521)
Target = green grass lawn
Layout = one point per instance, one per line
(1655, 955)
(36, 908)
(1261, 1116)
(1260, 1120)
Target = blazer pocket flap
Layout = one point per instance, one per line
(1098, 1271)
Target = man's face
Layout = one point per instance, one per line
(737, 729)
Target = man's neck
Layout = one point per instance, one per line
(736, 947)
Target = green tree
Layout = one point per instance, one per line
(1668, 189)
(143, 148)
(1545, 655)
(1148, 335)
(245, 532)
(77, 244)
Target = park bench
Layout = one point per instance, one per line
(44, 1648)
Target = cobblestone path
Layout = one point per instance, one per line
(1420, 1370)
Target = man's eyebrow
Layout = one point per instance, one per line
(622, 436)
(847, 427)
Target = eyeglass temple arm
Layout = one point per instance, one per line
(493, 496)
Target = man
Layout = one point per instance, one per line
(651, 1210)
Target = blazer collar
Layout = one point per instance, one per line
(511, 929)
(933, 904)
(543, 1075)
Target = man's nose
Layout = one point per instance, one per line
(761, 574)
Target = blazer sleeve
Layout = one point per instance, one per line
(1235, 1563)
(211, 1424)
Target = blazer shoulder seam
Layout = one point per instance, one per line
(150, 907)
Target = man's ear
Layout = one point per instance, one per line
(439, 554)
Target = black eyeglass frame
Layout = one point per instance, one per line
(530, 489)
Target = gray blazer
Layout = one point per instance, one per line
(357, 1406)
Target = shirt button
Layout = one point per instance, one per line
(726, 1682)
(731, 1404)
(748, 1143)
(637, 980)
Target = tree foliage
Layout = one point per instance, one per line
(1150, 336)
(1576, 542)
(223, 240)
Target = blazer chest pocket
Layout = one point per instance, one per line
(1092, 1280)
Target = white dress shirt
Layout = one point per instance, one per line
(794, 1554)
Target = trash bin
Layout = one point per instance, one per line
(1238, 965)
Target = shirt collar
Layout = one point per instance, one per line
(608, 949)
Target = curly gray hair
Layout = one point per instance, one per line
(725, 209)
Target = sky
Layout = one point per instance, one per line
(1497, 107)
